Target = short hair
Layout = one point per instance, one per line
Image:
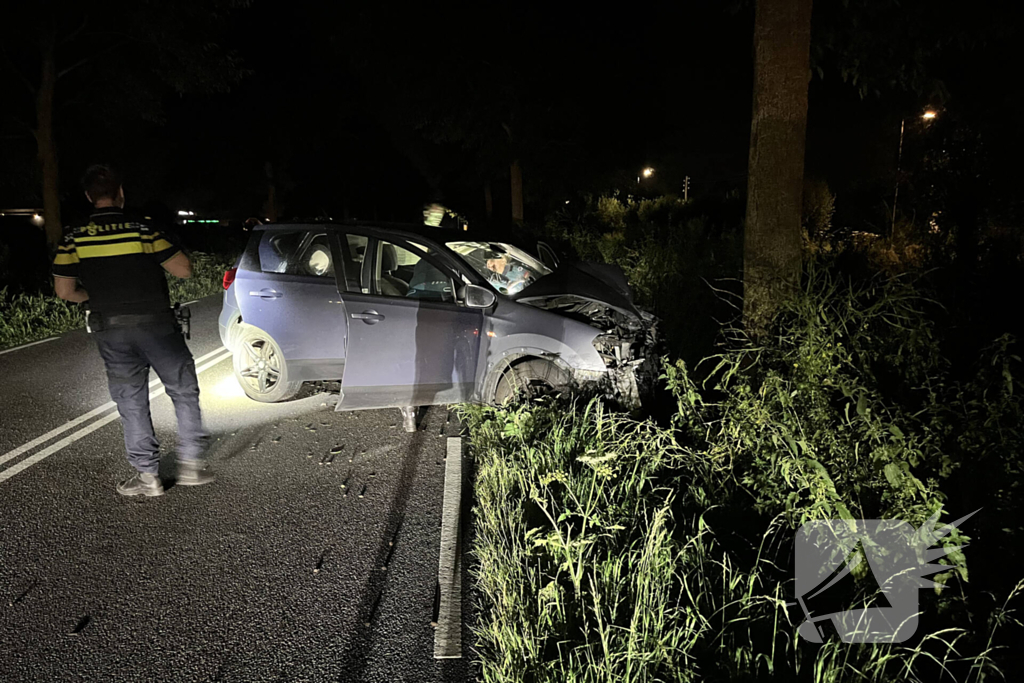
(101, 182)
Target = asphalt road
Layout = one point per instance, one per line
(314, 557)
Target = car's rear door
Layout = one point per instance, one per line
(411, 343)
(287, 285)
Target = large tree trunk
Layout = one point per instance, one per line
(45, 143)
(516, 173)
(772, 243)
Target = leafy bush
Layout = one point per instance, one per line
(207, 278)
(610, 549)
(26, 317)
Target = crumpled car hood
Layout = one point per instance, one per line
(597, 282)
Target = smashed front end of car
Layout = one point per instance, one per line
(628, 344)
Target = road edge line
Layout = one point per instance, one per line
(25, 346)
(448, 635)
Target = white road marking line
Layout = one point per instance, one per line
(50, 450)
(25, 346)
(24, 448)
(189, 303)
(448, 636)
(88, 429)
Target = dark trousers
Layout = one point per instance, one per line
(128, 354)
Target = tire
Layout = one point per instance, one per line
(267, 383)
(530, 379)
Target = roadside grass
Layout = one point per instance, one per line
(25, 318)
(615, 549)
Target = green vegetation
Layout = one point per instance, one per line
(28, 317)
(610, 549)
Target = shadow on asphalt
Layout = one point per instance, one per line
(356, 657)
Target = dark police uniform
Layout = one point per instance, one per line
(119, 260)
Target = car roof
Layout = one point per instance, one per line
(409, 230)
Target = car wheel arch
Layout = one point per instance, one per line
(510, 361)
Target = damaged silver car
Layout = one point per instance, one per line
(408, 316)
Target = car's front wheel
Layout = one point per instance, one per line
(260, 367)
(529, 379)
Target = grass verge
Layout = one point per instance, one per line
(611, 549)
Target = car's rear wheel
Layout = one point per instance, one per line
(530, 379)
(260, 367)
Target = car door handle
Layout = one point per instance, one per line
(267, 294)
(369, 317)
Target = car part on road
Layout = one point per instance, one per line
(260, 368)
(531, 378)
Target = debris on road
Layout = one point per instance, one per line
(82, 623)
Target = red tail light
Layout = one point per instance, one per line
(229, 277)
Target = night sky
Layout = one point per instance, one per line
(371, 112)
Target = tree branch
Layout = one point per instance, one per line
(74, 34)
(29, 130)
(86, 60)
(21, 76)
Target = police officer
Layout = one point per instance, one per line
(117, 264)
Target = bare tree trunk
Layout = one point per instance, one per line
(46, 144)
(488, 201)
(772, 246)
(516, 173)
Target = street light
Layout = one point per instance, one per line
(928, 115)
(648, 172)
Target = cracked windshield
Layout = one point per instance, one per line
(508, 269)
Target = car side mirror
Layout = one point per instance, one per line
(476, 296)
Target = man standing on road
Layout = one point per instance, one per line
(117, 264)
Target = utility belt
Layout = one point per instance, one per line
(179, 316)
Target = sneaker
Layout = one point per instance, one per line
(141, 484)
(193, 473)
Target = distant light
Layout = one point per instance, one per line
(929, 115)
(491, 333)
(465, 226)
(648, 172)
(186, 213)
(566, 201)
(37, 219)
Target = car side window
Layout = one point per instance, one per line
(353, 250)
(405, 273)
(296, 252)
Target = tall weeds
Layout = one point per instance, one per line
(610, 549)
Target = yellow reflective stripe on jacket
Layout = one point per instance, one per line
(100, 250)
(65, 259)
(109, 237)
(157, 246)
